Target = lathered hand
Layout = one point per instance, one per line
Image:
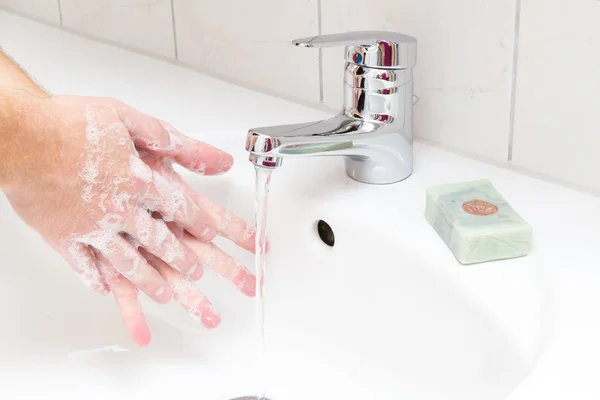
(93, 172)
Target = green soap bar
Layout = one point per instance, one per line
(476, 222)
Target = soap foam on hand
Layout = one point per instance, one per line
(476, 222)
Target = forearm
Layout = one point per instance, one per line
(17, 91)
(15, 78)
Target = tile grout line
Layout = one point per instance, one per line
(174, 29)
(60, 16)
(513, 94)
(320, 32)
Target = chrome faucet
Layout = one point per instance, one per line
(374, 129)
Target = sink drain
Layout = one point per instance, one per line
(326, 233)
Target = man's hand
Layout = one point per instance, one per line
(92, 190)
(101, 190)
(94, 177)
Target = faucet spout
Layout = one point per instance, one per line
(317, 138)
(374, 152)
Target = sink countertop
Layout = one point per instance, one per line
(564, 221)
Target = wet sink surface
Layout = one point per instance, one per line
(386, 313)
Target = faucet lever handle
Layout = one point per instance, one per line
(375, 49)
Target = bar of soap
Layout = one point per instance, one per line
(476, 222)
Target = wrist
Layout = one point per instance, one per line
(17, 139)
(13, 77)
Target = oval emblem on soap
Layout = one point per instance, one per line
(479, 207)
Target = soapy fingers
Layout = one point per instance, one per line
(187, 294)
(126, 259)
(227, 224)
(161, 139)
(174, 205)
(147, 132)
(126, 297)
(154, 236)
(182, 287)
(82, 260)
(223, 264)
(199, 157)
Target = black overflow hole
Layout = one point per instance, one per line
(326, 233)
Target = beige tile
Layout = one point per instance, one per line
(46, 10)
(557, 119)
(464, 68)
(250, 42)
(144, 24)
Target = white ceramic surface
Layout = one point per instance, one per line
(557, 86)
(387, 313)
(46, 10)
(145, 25)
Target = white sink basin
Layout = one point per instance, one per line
(387, 313)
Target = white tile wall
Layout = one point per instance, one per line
(250, 41)
(46, 10)
(464, 74)
(557, 125)
(143, 24)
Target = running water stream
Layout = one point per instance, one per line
(263, 180)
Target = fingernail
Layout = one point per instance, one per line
(139, 331)
(249, 233)
(225, 167)
(210, 319)
(163, 295)
(208, 234)
(245, 281)
(196, 272)
(193, 269)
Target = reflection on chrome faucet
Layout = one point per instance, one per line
(374, 129)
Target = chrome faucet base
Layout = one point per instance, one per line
(361, 169)
(367, 170)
